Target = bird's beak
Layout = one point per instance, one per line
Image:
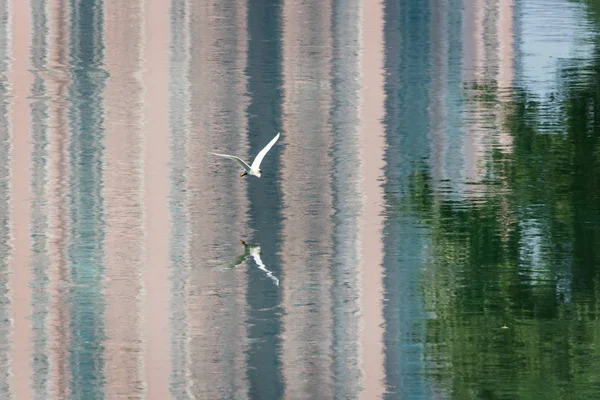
(242, 174)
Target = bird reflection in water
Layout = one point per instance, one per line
(252, 250)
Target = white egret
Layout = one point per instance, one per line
(254, 168)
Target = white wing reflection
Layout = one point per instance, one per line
(255, 253)
(252, 250)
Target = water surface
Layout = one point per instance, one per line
(426, 227)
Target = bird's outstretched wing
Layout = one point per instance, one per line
(263, 152)
(236, 159)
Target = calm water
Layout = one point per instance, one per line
(427, 227)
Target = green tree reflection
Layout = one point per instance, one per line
(513, 283)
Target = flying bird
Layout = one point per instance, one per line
(254, 168)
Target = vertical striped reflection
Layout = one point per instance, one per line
(307, 198)
(122, 193)
(39, 202)
(264, 121)
(439, 51)
(506, 51)
(58, 81)
(156, 191)
(20, 200)
(489, 61)
(217, 202)
(86, 249)
(448, 155)
(179, 114)
(373, 145)
(5, 217)
(474, 61)
(347, 194)
(408, 63)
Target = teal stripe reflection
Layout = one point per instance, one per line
(86, 252)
